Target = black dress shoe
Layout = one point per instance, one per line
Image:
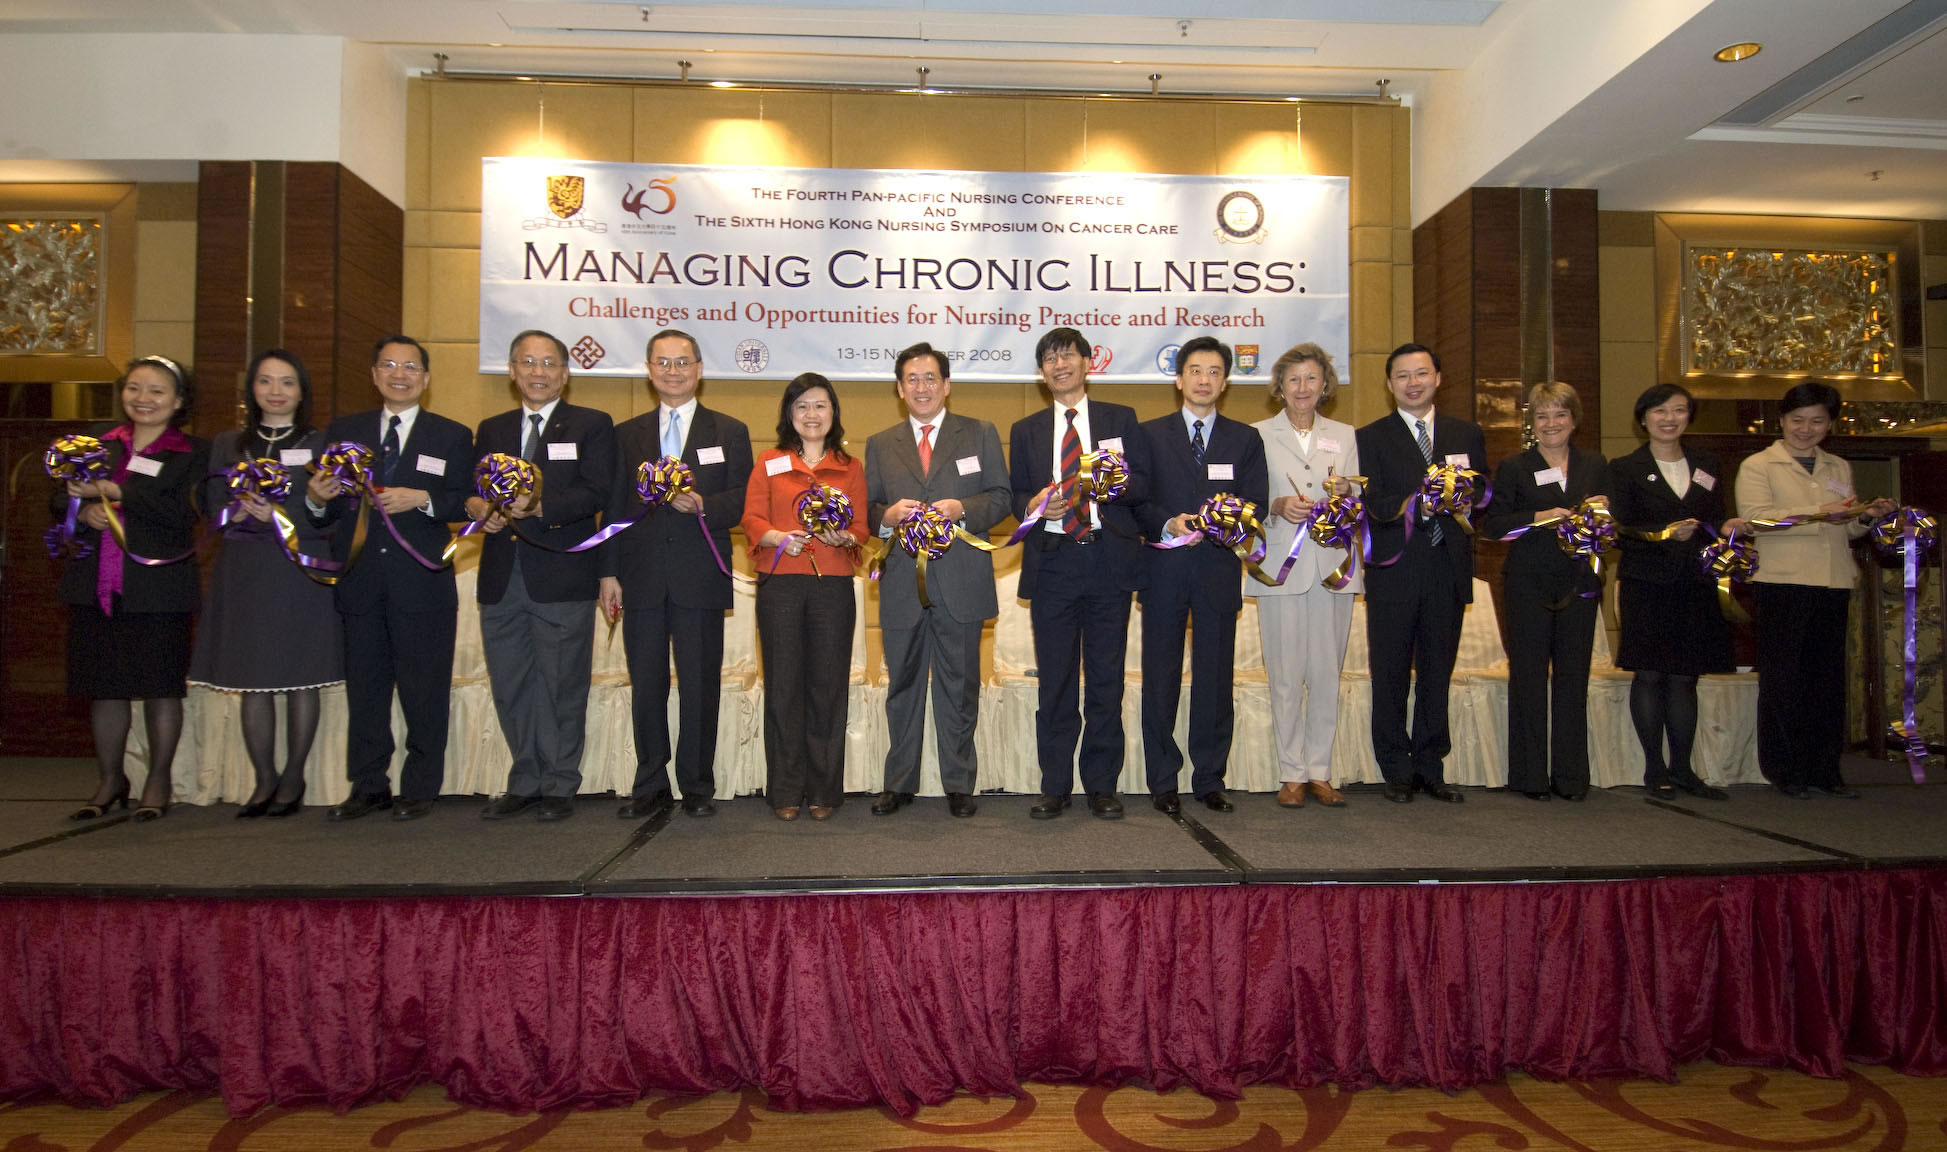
(556, 808)
(1839, 791)
(1167, 803)
(890, 802)
(1047, 807)
(507, 804)
(1104, 805)
(1574, 797)
(1217, 802)
(1694, 785)
(412, 809)
(1398, 792)
(289, 807)
(1795, 791)
(699, 806)
(638, 807)
(360, 804)
(1443, 792)
(1663, 790)
(1539, 795)
(961, 804)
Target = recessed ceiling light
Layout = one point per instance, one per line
(1732, 53)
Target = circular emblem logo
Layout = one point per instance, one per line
(752, 356)
(1240, 214)
(1166, 359)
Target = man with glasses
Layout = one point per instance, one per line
(954, 464)
(400, 616)
(1077, 573)
(1195, 454)
(537, 599)
(666, 579)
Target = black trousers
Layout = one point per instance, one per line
(1080, 617)
(391, 648)
(804, 625)
(1801, 683)
(1213, 711)
(1411, 645)
(652, 628)
(1548, 684)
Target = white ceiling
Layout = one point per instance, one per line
(1836, 100)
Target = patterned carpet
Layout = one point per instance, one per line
(1712, 1107)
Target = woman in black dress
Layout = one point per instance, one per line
(1551, 625)
(128, 622)
(267, 628)
(1672, 628)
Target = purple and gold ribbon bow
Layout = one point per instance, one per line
(74, 460)
(503, 481)
(1909, 533)
(925, 534)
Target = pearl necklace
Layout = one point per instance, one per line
(263, 433)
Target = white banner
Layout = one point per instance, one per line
(778, 271)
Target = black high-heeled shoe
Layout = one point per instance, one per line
(253, 811)
(289, 807)
(97, 811)
(147, 812)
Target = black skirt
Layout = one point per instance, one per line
(127, 656)
(1674, 628)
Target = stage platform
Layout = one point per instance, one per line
(1495, 836)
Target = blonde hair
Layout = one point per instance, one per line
(1297, 354)
(1556, 394)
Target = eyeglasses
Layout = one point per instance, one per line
(681, 363)
(409, 367)
(547, 362)
(1061, 357)
(806, 406)
(916, 379)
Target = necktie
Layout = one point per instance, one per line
(673, 435)
(1426, 450)
(531, 447)
(1071, 466)
(1197, 445)
(389, 451)
(926, 449)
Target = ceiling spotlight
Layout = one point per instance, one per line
(685, 66)
(922, 70)
(439, 63)
(1732, 53)
(1155, 83)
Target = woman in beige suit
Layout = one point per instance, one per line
(1302, 623)
(1803, 584)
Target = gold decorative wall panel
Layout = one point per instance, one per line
(51, 292)
(1777, 310)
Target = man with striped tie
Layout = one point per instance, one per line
(1414, 606)
(1077, 574)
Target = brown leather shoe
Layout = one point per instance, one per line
(1291, 794)
(820, 812)
(1327, 795)
(787, 813)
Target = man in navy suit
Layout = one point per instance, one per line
(537, 599)
(1077, 574)
(1194, 454)
(673, 584)
(399, 615)
(1415, 605)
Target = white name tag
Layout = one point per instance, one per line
(1837, 487)
(146, 465)
(1327, 444)
(1703, 479)
(968, 465)
(1459, 460)
(1109, 444)
(711, 455)
(564, 452)
(294, 457)
(777, 466)
(1550, 476)
(1222, 472)
(432, 464)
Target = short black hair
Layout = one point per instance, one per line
(1807, 393)
(1061, 340)
(560, 348)
(185, 384)
(378, 350)
(914, 352)
(1408, 349)
(301, 419)
(1657, 395)
(1198, 344)
(696, 350)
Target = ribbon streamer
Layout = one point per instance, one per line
(1447, 490)
(1909, 533)
(926, 534)
(267, 480)
(1588, 531)
(349, 463)
(1728, 561)
(1338, 521)
(657, 482)
(1229, 522)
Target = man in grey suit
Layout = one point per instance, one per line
(953, 463)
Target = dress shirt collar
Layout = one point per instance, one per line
(936, 422)
(545, 412)
(1412, 423)
(687, 410)
(406, 420)
(1189, 424)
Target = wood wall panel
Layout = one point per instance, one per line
(222, 290)
(308, 321)
(371, 293)
(1574, 240)
(37, 716)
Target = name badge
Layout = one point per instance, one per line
(1109, 444)
(432, 464)
(1327, 444)
(146, 465)
(777, 466)
(711, 455)
(1222, 472)
(1703, 479)
(1837, 487)
(1550, 476)
(1459, 460)
(564, 452)
(968, 465)
(294, 457)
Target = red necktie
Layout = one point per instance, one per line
(1071, 465)
(926, 449)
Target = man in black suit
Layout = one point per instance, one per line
(537, 599)
(953, 463)
(1194, 454)
(1077, 574)
(671, 581)
(1414, 606)
(399, 615)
